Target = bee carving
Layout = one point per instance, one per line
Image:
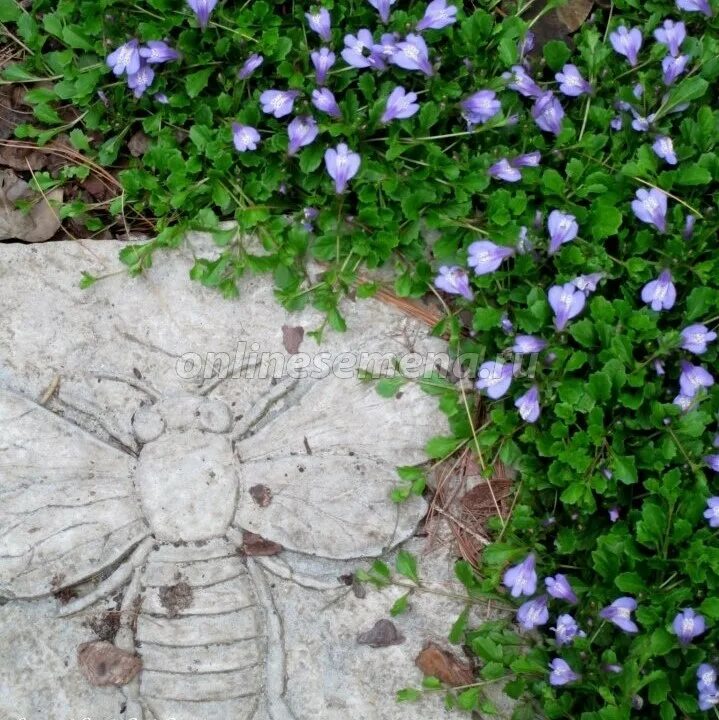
(162, 524)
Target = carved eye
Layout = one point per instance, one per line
(147, 424)
(215, 416)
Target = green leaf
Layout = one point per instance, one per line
(196, 82)
(556, 53)
(9, 10)
(625, 469)
(400, 605)
(406, 565)
(604, 221)
(440, 447)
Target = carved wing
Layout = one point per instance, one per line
(66, 501)
(328, 459)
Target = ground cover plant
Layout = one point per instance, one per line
(559, 199)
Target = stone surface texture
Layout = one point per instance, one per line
(125, 488)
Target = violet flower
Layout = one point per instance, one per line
(706, 677)
(503, 170)
(530, 159)
(161, 98)
(587, 283)
(342, 165)
(693, 378)
(708, 698)
(638, 91)
(613, 513)
(495, 378)
(278, 102)
(324, 100)
(323, 59)
(658, 366)
(712, 462)
(701, 6)
(650, 207)
(571, 81)
(528, 406)
(664, 148)
(528, 344)
(689, 227)
(559, 587)
(522, 83)
(454, 280)
(437, 16)
(485, 257)
(560, 673)
(687, 625)
(125, 59)
(386, 47)
(673, 67)
(533, 613)
(412, 54)
(548, 113)
(696, 337)
(683, 402)
(627, 43)
(382, 7)
(521, 579)
(563, 228)
(356, 47)
(320, 23)
(641, 123)
(672, 35)
(202, 9)
(249, 66)
(566, 302)
(400, 105)
(158, 51)
(616, 123)
(480, 107)
(302, 131)
(506, 324)
(566, 630)
(244, 137)
(620, 613)
(141, 80)
(712, 512)
(660, 294)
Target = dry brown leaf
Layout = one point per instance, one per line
(292, 338)
(138, 144)
(37, 225)
(437, 662)
(574, 13)
(383, 634)
(102, 663)
(253, 544)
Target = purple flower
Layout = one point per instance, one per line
(301, 131)
(521, 579)
(559, 587)
(342, 165)
(412, 54)
(454, 280)
(612, 668)
(712, 461)
(689, 227)
(356, 47)
(309, 214)
(503, 170)
(650, 207)
(641, 123)
(495, 378)
(616, 123)
(692, 378)
(202, 9)
(627, 43)
(527, 344)
(400, 105)
(531, 159)
(701, 6)
(571, 81)
(528, 406)
(566, 630)
(712, 512)
(437, 16)
(481, 107)
(548, 113)
(660, 294)
(664, 148)
(244, 137)
(560, 673)
(249, 66)
(708, 698)
(706, 678)
(673, 67)
(319, 21)
(696, 337)
(687, 625)
(658, 366)
(613, 514)
(125, 58)
(672, 35)
(562, 228)
(278, 102)
(587, 283)
(386, 47)
(522, 83)
(141, 80)
(638, 91)
(567, 302)
(533, 613)
(485, 257)
(161, 98)
(684, 402)
(158, 52)
(324, 100)
(323, 59)
(620, 613)
(382, 7)
(506, 325)
(524, 244)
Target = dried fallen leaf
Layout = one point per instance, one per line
(437, 662)
(383, 634)
(40, 223)
(558, 24)
(261, 494)
(574, 13)
(253, 544)
(292, 338)
(138, 144)
(102, 663)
